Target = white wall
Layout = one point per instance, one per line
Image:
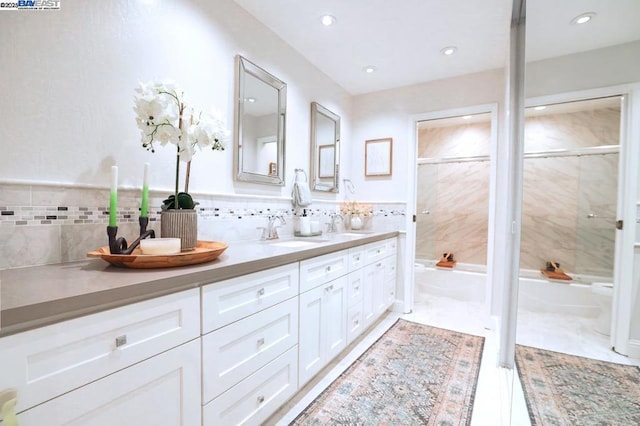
(68, 80)
(388, 113)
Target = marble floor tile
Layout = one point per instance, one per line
(499, 399)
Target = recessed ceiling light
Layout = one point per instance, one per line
(328, 20)
(466, 117)
(449, 50)
(369, 69)
(540, 107)
(584, 18)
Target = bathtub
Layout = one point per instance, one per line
(466, 282)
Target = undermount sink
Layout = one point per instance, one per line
(356, 234)
(296, 243)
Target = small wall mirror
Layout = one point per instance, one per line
(325, 148)
(260, 119)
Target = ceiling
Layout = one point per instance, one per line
(403, 39)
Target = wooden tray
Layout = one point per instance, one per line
(205, 251)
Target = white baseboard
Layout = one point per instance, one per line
(633, 349)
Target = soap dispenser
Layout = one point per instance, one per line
(305, 223)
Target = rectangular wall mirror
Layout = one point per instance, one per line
(261, 103)
(325, 152)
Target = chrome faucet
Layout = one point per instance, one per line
(334, 218)
(270, 232)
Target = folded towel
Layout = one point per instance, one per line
(301, 194)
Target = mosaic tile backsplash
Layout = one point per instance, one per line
(42, 224)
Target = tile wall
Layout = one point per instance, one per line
(43, 224)
(453, 197)
(569, 202)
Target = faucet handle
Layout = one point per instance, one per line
(264, 235)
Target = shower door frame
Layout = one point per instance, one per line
(625, 290)
(489, 320)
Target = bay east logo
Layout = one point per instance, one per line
(39, 4)
(30, 5)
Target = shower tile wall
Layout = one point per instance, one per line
(561, 192)
(455, 194)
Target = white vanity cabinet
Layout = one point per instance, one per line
(249, 345)
(379, 282)
(111, 365)
(323, 312)
(163, 390)
(355, 291)
(228, 352)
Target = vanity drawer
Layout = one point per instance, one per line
(390, 268)
(46, 362)
(355, 287)
(322, 269)
(232, 353)
(258, 396)
(355, 323)
(356, 258)
(228, 301)
(375, 251)
(391, 246)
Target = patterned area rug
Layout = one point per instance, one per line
(413, 374)
(563, 389)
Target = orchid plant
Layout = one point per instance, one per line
(164, 118)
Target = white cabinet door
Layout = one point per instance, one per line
(335, 318)
(373, 290)
(312, 334)
(390, 281)
(323, 327)
(163, 390)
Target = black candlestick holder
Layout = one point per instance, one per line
(118, 245)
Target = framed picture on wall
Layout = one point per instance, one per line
(378, 157)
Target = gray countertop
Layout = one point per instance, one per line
(36, 296)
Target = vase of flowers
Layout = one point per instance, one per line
(164, 118)
(357, 216)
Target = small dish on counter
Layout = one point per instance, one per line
(160, 246)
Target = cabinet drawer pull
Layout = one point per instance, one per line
(121, 340)
(328, 269)
(357, 258)
(378, 251)
(356, 322)
(379, 265)
(261, 341)
(329, 288)
(261, 292)
(260, 399)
